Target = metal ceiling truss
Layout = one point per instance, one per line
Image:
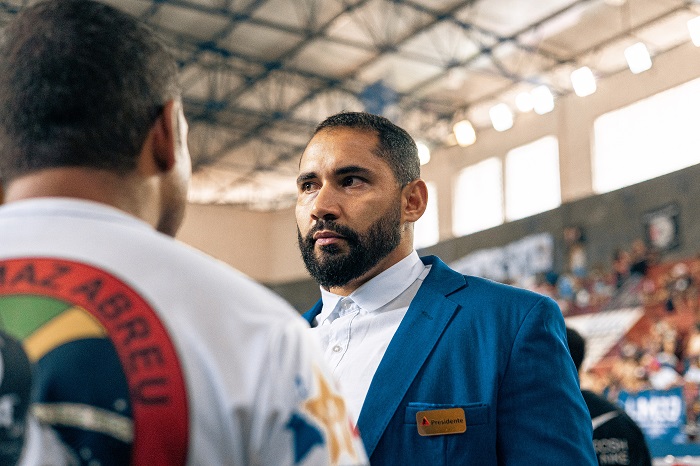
(388, 25)
(259, 75)
(561, 89)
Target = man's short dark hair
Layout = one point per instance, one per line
(395, 145)
(577, 346)
(81, 84)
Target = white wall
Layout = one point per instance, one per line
(263, 245)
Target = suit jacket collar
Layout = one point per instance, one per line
(425, 320)
(311, 314)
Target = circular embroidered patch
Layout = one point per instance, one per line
(107, 376)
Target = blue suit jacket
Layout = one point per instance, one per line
(496, 351)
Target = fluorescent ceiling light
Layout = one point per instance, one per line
(583, 81)
(501, 117)
(524, 102)
(544, 100)
(464, 133)
(423, 152)
(694, 30)
(638, 58)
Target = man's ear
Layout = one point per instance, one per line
(164, 142)
(415, 200)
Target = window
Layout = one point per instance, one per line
(532, 178)
(426, 230)
(478, 202)
(649, 138)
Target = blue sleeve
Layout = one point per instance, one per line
(542, 418)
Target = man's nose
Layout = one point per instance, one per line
(326, 205)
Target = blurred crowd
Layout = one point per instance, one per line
(662, 350)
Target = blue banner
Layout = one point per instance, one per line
(660, 414)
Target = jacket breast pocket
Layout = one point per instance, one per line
(464, 447)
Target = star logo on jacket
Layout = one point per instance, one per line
(327, 408)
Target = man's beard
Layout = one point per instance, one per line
(337, 268)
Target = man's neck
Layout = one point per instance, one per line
(88, 184)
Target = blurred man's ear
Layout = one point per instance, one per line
(165, 136)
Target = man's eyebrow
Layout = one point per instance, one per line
(351, 169)
(306, 177)
(347, 170)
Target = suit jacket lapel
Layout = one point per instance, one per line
(311, 314)
(420, 330)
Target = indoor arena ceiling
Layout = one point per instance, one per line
(258, 75)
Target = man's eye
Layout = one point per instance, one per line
(307, 186)
(351, 181)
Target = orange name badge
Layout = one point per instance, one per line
(441, 422)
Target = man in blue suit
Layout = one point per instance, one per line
(437, 368)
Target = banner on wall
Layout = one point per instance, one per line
(659, 413)
(661, 228)
(514, 262)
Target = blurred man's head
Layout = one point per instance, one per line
(577, 346)
(82, 86)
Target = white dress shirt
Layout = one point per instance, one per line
(355, 331)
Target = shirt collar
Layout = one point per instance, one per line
(381, 289)
(69, 207)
